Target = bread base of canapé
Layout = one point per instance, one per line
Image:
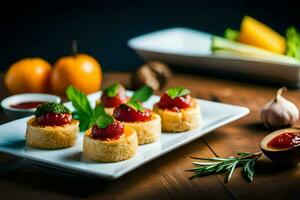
(51, 137)
(149, 131)
(184, 120)
(110, 150)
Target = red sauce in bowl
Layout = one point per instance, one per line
(285, 140)
(27, 105)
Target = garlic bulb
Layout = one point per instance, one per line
(279, 112)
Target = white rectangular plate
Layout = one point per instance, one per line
(187, 47)
(12, 141)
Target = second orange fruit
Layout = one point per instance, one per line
(80, 70)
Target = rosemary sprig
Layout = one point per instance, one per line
(220, 165)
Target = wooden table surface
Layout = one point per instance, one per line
(165, 177)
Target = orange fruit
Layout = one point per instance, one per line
(28, 75)
(80, 70)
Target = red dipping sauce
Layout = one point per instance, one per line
(27, 105)
(285, 140)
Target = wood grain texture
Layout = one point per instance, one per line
(165, 177)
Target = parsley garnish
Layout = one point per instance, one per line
(50, 107)
(84, 112)
(136, 105)
(141, 95)
(101, 119)
(177, 92)
(112, 90)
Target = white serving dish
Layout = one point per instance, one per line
(12, 141)
(191, 48)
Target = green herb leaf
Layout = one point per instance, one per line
(112, 90)
(219, 165)
(136, 105)
(142, 95)
(177, 92)
(104, 120)
(242, 154)
(231, 34)
(230, 169)
(79, 101)
(248, 170)
(84, 123)
(293, 42)
(101, 118)
(99, 110)
(84, 112)
(51, 107)
(83, 126)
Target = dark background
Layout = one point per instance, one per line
(46, 28)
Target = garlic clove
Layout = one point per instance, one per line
(279, 112)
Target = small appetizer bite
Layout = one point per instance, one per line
(113, 96)
(109, 140)
(178, 110)
(142, 120)
(146, 123)
(52, 127)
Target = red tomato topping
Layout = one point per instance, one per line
(111, 102)
(125, 113)
(54, 119)
(175, 104)
(110, 132)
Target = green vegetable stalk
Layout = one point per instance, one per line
(293, 43)
(231, 34)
